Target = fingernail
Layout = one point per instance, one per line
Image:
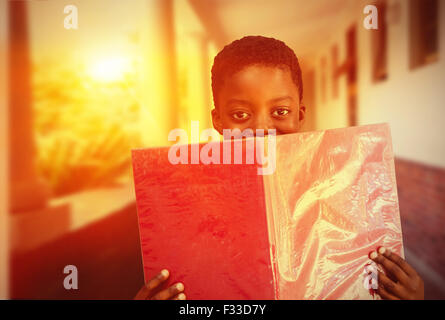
(180, 286)
(381, 250)
(373, 255)
(165, 273)
(181, 296)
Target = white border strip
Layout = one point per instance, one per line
(4, 218)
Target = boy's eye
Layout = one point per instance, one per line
(281, 112)
(240, 115)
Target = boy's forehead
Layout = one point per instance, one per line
(260, 82)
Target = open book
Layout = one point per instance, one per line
(301, 232)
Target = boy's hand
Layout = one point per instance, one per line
(401, 281)
(151, 291)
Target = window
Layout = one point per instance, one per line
(323, 80)
(379, 44)
(424, 31)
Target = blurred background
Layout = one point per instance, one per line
(73, 102)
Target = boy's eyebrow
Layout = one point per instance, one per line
(241, 101)
(281, 98)
(238, 101)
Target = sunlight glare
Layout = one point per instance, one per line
(110, 69)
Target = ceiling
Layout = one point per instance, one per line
(305, 25)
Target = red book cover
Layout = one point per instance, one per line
(206, 224)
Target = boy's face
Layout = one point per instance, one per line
(259, 97)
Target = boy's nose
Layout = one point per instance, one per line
(264, 123)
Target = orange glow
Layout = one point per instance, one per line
(109, 69)
(75, 102)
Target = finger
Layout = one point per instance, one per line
(385, 294)
(152, 285)
(397, 260)
(169, 292)
(158, 280)
(180, 296)
(391, 268)
(389, 286)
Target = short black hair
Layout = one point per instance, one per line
(253, 50)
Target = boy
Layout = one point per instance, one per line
(257, 84)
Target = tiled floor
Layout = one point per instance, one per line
(421, 192)
(106, 253)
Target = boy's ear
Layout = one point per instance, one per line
(302, 112)
(216, 120)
